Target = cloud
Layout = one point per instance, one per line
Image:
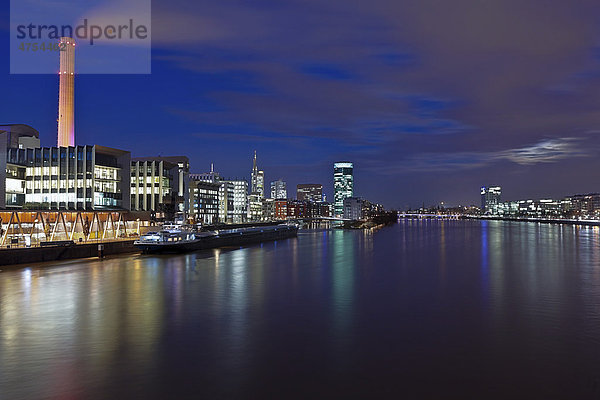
(545, 151)
(427, 85)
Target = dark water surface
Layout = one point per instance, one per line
(454, 309)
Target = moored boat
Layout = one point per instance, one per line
(185, 240)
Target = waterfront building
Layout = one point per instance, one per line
(152, 186)
(226, 199)
(309, 192)
(240, 201)
(543, 208)
(343, 185)
(356, 208)
(204, 199)
(167, 185)
(66, 93)
(254, 208)
(491, 197)
(278, 189)
(325, 209)
(582, 205)
(231, 211)
(268, 210)
(281, 211)
(301, 209)
(65, 178)
(297, 209)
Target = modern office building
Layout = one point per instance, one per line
(280, 211)
(226, 199)
(257, 180)
(255, 207)
(284, 209)
(231, 211)
(66, 93)
(179, 172)
(12, 176)
(309, 192)
(152, 186)
(240, 201)
(65, 178)
(355, 208)
(582, 205)
(278, 189)
(204, 198)
(343, 185)
(268, 210)
(257, 193)
(491, 197)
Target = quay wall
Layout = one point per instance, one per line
(539, 220)
(30, 255)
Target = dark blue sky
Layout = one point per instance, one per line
(430, 99)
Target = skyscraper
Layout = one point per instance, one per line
(66, 119)
(343, 185)
(257, 193)
(258, 180)
(491, 197)
(278, 189)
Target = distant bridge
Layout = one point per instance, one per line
(428, 216)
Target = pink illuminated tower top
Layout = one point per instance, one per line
(66, 109)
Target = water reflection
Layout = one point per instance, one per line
(333, 312)
(343, 266)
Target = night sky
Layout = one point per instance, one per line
(429, 99)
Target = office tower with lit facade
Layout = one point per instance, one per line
(343, 185)
(309, 192)
(240, 201)
(278, 189)
(161, 184)
(67, 178)
(152, 186)
(66, 101)
(257, 193)
(491, 197)
(257, 180)
(204, 199)
(232, 196)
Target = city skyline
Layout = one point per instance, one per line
(402, 129)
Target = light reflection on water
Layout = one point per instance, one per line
(425, 308)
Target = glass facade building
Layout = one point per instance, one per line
(278, 189)
(204, 197)
(67, 178)
(343, 185)
(151, 184)
(491, 197)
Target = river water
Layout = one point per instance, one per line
(421, 309)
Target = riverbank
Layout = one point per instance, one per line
(586, 222)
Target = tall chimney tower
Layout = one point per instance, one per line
(66, 119)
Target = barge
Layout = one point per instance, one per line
(179, 240)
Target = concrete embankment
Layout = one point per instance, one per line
(54, 253)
